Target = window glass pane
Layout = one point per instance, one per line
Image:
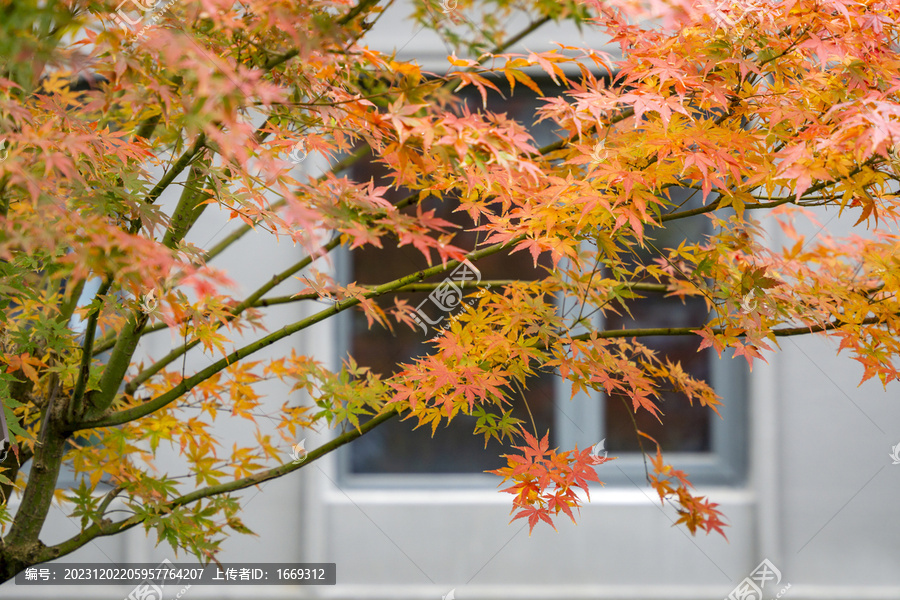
(684, 428)
(394, 447)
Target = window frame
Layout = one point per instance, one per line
(726, 462)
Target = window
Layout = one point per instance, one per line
(709, 448)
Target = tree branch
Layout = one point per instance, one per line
(84, 369)
(189, 207)
(105, 528)
(180, 165)
(240, 308)
(713, 206)
(187, 384)
(238, 233)
(782, 332)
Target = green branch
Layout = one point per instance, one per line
(67, 307)
(356, 10)
(26, 528)
(255, 301)
(713, 206)
(188, 384)
(532, 27)
(190, 205)
(241, 231)
(130, 335)
(465, 285)
(781, 332)
(175, 170)
(84, 370)
(281, 471)
(660, 288)
(105, 527)
(251, 300)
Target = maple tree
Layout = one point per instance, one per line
(763, 107)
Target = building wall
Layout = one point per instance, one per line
(820, 501)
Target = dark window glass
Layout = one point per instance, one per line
(684, 428)
(394, 447)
